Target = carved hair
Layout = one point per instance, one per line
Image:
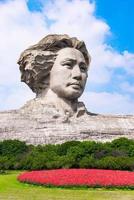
(36, 61)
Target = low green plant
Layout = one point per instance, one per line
(118, 154)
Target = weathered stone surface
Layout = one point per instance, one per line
(39, 123)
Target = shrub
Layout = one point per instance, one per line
(108, 162)
(119, 154)
(87, 162)
(3, 172)
(121, 163)
(122, 144)
(77, 153)
(63, 148)
(12, 147)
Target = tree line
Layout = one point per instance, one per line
(17, 155)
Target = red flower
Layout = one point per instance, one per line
(79, 177)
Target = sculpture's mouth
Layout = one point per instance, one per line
(75, 85)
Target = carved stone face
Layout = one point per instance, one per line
(69, 74)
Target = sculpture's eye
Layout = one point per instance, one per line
(68, 64)
(83, 68)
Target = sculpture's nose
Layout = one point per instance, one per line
(76, 72)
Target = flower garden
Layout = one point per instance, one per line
(79, 177)
(73, 163)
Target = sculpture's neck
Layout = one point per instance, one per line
(64, 106)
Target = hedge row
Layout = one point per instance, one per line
(118, 154)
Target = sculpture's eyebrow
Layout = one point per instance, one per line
(68, 59)
(74, 61)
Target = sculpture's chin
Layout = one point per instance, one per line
(71, 94)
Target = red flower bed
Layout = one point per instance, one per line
(79, 177)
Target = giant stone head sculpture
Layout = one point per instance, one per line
(57, 62)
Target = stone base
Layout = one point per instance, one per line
(37, 123)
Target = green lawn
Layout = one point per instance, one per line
(11, 189)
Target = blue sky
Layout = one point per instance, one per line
(120, 17)
(107, 28)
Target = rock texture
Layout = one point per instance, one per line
(38, 123)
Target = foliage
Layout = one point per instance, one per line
(118, 154)
(3, 172)
(12, 147)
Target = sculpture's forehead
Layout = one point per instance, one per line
(70, 53)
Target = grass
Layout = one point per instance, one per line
(11, 189)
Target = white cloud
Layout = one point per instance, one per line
(21, 28)
(14, 97)
(77, 18)
(112, 103)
